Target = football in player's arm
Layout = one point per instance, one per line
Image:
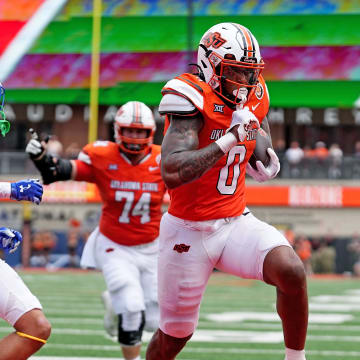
(124, 245)
(212, 120)
(18, 306)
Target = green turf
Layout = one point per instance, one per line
(72, 303)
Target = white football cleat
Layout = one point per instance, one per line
(110, 318)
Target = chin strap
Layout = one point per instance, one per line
(31, 337)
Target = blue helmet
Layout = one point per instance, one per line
(4, 124)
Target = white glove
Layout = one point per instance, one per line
(247, 121)
(34, 148)
(263, 173)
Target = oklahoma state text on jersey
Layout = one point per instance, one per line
(132, 194)
(220, 192)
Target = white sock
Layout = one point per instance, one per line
(291, 354)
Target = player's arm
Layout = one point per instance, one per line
(181, 160)
(51, 168)
(28, 190)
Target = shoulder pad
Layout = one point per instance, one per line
(84, 157)
(176, 104)
(183, 89)
(100, 143)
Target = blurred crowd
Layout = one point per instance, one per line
(321, 161)
(327, 254)
(54, 250)
(320, 255)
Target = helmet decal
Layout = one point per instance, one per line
(213, 39)
(259, 92)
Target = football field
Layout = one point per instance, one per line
(237, 321)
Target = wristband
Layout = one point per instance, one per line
(5, 190)
(226, 142)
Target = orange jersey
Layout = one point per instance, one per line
(219, 192)
(132, 195)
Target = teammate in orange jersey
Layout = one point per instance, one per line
(18, 306)
(124, 246)
(212, 119)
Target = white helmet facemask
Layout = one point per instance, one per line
(230, 61)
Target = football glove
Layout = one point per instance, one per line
(35, 149)
(9, 239)
(246, 120)
(30, 190)
(262, 173)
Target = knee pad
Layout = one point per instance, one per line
(131, 326)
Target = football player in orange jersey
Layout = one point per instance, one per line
(211, 123)
(18, 306)
(124, 246)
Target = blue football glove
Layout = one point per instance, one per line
(9, 239)
(30, 190)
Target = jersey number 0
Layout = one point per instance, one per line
(227, 185)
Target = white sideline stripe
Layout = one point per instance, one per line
(259, 326)
(324, 353)
(250, 326)
(214, 336)
(75, 311)
(343, 299)
(334, 307)
(238, 316)
(77, 321)
(70, 358)
(353, 291)
(27, 35)
(86, 307)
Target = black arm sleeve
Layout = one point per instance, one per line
(53, 169)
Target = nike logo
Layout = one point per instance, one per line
(153, 168)
(253, 108)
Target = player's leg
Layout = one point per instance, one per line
(184, 268)
(149, 284)
(128, 303)
(284, 269)
(110, 318)
(122, 278)
(23, 311)
(262, 252)
(32, 331)
(165, 347)
(130, 329)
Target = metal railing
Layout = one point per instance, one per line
(310, 168)
(16, 163)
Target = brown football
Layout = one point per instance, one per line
(262, 143)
